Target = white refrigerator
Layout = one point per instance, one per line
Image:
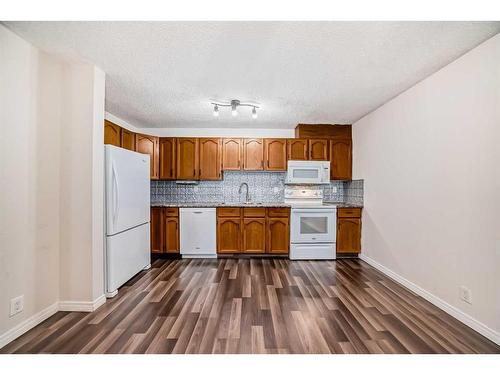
(127, 215)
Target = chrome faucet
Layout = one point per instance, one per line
(247, 197)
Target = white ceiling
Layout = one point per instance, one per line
(162, 74)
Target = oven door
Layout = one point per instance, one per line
(311, 225)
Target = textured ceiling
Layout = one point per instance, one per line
(162, 74)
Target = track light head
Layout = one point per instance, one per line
(216, 111)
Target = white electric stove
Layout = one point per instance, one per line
(313, 224)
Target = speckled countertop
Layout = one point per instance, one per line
(240, 204)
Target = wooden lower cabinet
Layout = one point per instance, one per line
(171, 228)
(156, 228)
(254, 235)
(228, 235)
(348, 230)
(278, 235)
(164, 230)
(253, 230)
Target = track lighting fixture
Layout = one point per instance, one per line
(234, 104)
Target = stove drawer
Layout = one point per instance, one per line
(312, 251)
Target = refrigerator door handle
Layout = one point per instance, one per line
(116, 196)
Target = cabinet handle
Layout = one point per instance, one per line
(194, 172)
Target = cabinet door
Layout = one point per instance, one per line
(228, 235)
(156, 227)
(348, 235)
(187, 159)
(112, 134)
(341, 160)
(275, 154)
(167, 159)
(318, 149)
(278, 235)
(147, 144)
(253, 155)
(297, 149)
(210, 159)
(254, 235)
(128, 139)
(231, 154)
(171, 234)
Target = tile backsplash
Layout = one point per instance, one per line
(263, 186)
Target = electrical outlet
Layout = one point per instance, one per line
(276, 189)
(16, 305)
(334, 189)
(465, 294)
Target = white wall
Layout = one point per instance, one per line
(430, 159)
(30, 112)
(204, 132)
(51, 184)
(82, 179)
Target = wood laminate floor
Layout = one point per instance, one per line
(257, 306)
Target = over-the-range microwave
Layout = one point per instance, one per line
(308, 172)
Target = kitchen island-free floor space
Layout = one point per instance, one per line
(257, 306)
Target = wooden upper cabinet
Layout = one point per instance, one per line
(278, 235)
(188, 159)
(148, 144)
(210, 159)
(297, 149)
(171, 237)
(318, 149)
(112, 135)
(228, 234)
(254, 235)
(348, 235)
(167, 158)
(275, 154)
(156, 228)
(341, 160)
(253, 154)
(127, 139)
(232, 151)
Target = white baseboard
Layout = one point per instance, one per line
(39, 317)
(84, 306)
(28, 324)
(438, 302)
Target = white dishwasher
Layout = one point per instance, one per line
(198, 232)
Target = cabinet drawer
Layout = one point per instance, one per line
(254, 212)
(228, 211)
(171, 211)
(278, 212)
(349, 212)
